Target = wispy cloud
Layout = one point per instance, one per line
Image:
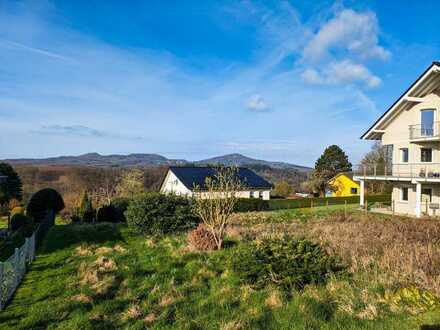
(80, 131)
(16, 45)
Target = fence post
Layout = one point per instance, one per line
(1, 286)
(26, 249)
(392, 207)
(33, 247)
(311, 203)
(326, 204)
(345, 209)
(16, 267)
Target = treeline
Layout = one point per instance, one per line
(72, 181)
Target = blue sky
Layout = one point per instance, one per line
(194, 79)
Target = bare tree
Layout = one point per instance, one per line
(214, 203)
(131, 184)
(105, 189)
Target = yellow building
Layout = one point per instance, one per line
(342, 185)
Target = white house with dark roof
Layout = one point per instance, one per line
(182, 180)
(410, 131)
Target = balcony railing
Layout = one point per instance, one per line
(424, 132)
(402, 170)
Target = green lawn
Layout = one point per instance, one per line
(105, 277)
(3, 222)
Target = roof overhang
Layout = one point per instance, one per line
(425, 84)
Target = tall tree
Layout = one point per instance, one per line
(332, 161)
(11, 186)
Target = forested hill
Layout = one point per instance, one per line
(95, 159)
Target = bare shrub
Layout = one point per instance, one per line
(202, 239)
(215, 203)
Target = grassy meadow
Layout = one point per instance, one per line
(106, 277)
(3, 222)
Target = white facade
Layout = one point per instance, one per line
(173, 185)
(411, 129)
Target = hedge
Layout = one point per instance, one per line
(278, 204)
(251, 204)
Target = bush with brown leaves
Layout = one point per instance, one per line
(202, 239)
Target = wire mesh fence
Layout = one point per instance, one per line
(14, 268)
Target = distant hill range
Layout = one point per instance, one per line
(95, 159)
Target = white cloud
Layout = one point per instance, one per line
(343, 72)
(350, 31)
(257, 103)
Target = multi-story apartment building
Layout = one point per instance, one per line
(410, 130)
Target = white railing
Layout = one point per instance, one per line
(427, 132)
(400, 170)
(12, 270)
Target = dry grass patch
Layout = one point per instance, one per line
(407, 250)
(231, 325)
(274, 300)
(82, 298)
(98, 275)
(167, 300)
(150, 318)
(83, 251)
(133, 312)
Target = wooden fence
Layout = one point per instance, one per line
(13, 269)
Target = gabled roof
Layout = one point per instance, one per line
(347, 174)
(425, 84)
(193, 176)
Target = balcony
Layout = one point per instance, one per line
(399, 172)
(421, 133)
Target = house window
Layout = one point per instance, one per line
(427, 122)
(405, 155)
(404, 196)
(426, 155)
(354, 191)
